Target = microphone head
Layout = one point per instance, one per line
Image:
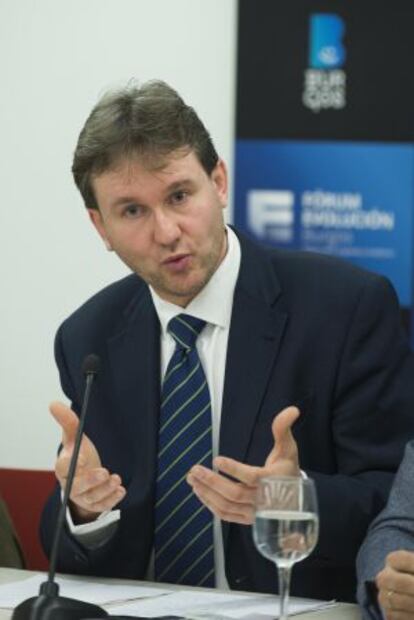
(91, 364)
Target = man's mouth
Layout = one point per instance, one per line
(178, 262)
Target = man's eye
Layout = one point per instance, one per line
(132, 211)
(178, 197)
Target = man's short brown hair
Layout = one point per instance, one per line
(150, 122)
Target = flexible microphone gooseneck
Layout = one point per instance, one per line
(48, 605)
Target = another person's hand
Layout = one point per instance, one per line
(234, 500)
(94, 489)
(395, 585)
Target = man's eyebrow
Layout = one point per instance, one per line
(178, 184)
(124, 200)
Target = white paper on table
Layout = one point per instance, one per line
(13, 593)
(195, 604)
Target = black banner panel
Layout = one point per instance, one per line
(361, 89)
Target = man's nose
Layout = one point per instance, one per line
(166, 228)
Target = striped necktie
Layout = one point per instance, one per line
(184, 550)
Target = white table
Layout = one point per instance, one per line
(342, 611)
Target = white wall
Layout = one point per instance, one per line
(56, 58)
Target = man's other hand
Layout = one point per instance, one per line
(395, 585)
(94, 489)
(233, 500)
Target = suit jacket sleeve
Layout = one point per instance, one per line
(371, 408)
(114, 324)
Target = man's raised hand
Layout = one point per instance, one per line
(94, 489)
(233, 500)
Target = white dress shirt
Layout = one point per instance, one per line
(214, 305)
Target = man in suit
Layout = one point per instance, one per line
(386, 560)
(284, 333)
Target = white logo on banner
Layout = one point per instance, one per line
(324, 90)
(270, 214)
(342, 210)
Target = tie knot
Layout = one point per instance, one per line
(185, 329)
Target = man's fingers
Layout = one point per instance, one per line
(88, 455)
(233, 500)
(282, 425)
(108, 502)
(67, 420)
(285, 447)
(94, 489)
(393, 601)
(103, 493)
(62, 465)
(224, 498)
(397, 581)
(248, 474)
(87, 480)
(395, 592)
(401, 561)
(233, 491)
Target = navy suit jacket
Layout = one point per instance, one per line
(392, 530)
(307, 330)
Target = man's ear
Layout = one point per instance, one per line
(96, 219)
(220, 180)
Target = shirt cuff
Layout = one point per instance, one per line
(105, 519)
(95, 533)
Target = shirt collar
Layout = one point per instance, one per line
(214, 302)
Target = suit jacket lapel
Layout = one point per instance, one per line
(254, 339)
(134, 354)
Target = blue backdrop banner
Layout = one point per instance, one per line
(352, 200)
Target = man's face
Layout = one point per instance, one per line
(166, 223)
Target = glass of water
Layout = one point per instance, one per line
(286, 526)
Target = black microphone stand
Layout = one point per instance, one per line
(48, 605)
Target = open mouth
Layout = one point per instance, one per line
(179, 262)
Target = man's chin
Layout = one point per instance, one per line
(179, 295)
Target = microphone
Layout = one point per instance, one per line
(48, 605)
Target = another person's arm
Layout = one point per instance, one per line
(385, 562)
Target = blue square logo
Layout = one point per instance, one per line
(326, 49)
